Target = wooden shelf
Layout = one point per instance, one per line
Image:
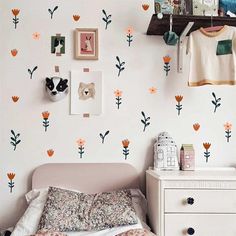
(160, 26)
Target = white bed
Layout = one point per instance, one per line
(89, 178)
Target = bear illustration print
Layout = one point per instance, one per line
(86, 91)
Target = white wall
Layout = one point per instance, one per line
(144, 69)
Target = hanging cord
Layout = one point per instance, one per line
(171, 22)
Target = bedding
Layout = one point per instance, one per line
(131, 232)
(67, 210)
(136, 232)
(36, 199)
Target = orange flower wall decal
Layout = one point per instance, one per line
(145, 7)
(228, 127)
(125, 144)
(15, 98)
(45, 116)
(178, 99)
(14, 52)
(118, 94)
(50, 152)
(11, 176)
(152, 90)
(36, 36)
(76, 17)
(15, 13)
(207, 153)
(129, 32)
(206, 145)
(11, 184)
(81, 142)
(167, 60)
(196, 126)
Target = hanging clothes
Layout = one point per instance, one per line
(213, 57)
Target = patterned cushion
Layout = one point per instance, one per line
(66, 210)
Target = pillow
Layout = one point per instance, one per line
(140, 204)
(28, 223)
(66, 210)
(34, 193)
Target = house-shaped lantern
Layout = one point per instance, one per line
(187, 157)
(165, 153)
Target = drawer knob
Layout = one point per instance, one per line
(190, 231)
(190, 200)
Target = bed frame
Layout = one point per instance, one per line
(86, 177)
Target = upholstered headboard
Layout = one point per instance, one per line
(86, 177)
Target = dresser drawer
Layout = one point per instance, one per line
(200, 225)
(200, 201)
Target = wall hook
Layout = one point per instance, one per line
(180, 46)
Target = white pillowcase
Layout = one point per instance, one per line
(36, 198)
(140, 204)
(28, 223)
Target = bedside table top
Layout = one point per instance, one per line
(208, 174)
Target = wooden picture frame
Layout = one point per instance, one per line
(86, 44)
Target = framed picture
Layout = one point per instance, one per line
(86, 93)
(205, 7)
(58, 45)
(176, 7)
(86, 44)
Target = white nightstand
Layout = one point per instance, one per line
(199, 203)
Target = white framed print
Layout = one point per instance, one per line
(86, 93)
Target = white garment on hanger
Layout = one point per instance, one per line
(213, 59)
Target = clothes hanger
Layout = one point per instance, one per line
(213, 28)
(170, 37)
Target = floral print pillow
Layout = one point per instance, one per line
(67, 210)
